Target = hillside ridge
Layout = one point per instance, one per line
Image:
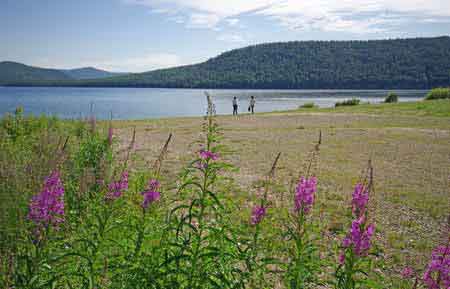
(416, 63)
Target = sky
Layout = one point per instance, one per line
(142, 35)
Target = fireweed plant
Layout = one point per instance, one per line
(436, 274)
(304, 261)
(31, 142)
(252, 252)
(353, 260)
(46, 216)
(202, 252)
(147, 242)
(110, 235)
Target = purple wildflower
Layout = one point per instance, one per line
(342, 258)
(304, 194)
(204, 154)
(154, 184)
(201, 165)
(47, 207)
(151, 194)
(359, 237)
(117, 188)
(346, 242)
(437, 274)
(258, 214)
(407, 273)
(360, 198)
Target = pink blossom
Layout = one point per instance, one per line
(151, 195)
(407, 272)
(342, 258)
(204, 154)
(346, 242)
(360, 198)
(258, 214)
(437, 274)
(359, 237)
(154, 184)
(47, 207)
(116, 189)
(304, 194)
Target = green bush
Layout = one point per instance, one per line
(348, 102)
(391, 98)
(439, 93)
(308, 105)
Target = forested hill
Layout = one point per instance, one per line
(11, 72)
(14, 72)
(397, 63)
(89, 73)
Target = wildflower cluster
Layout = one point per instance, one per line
(360, 198)
(208, 155)
(360, 234)
(151, 194)
(407, 272)
(258, 213)
(359, 237)
(353, 259)
(304, 261)
(47, 207)
(304, 194)
(116, 189)
(437, 273)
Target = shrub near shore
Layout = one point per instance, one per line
(391, 98)
(438, 93)
(104, 224)
(348, 102)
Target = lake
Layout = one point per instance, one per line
(140, 103)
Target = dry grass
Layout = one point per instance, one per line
(411, 158)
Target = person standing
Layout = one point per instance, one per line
(235, 106)
(252, 104)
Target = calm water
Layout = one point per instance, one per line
(139, 103)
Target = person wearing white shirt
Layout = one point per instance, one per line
(235, 106)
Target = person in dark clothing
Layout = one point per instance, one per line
(235, 106)
(252, 104)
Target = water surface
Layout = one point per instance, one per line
(140, 103)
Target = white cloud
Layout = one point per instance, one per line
(203, 20)
(221, 8)
(147, 62)
(233, 38)
(348, 15)
(327, 15)
(232, 21)
(161, 11)
(177, 19)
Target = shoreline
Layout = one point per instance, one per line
(419, 107)
(405, 109)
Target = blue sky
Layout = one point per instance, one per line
(141, 35)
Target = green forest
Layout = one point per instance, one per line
(375, 64)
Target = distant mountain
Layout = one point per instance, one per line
(374, 64)
(14, 72)
(11, 72)
(89, 73)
